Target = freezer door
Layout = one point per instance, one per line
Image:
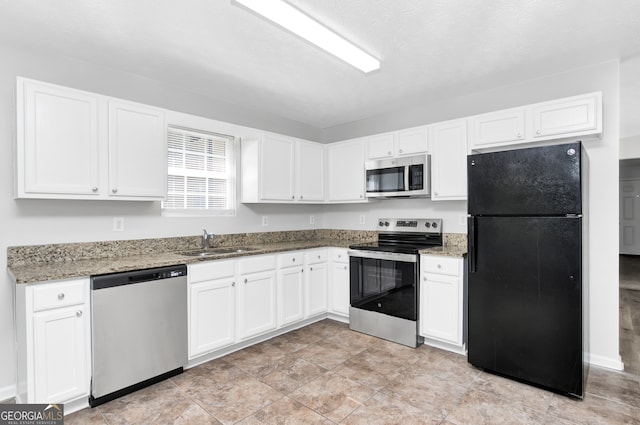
(525, 300)
(534, 181)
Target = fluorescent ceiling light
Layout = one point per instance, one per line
(287, 16)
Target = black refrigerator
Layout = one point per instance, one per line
(525, 265)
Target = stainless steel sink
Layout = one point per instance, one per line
(216, 251)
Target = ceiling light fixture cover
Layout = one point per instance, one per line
(292, 19)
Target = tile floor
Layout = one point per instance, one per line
(326, 374)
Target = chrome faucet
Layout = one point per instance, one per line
(206, 238)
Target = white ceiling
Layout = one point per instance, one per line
(429, 49)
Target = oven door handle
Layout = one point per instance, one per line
(381, 255)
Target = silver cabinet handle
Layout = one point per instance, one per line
(389, 153)
(301, 196)
(345, 267)
(114, 190)
(233, 284)
(439, 266)
(518, 135)
(293, 197)
(400, 150)
(538, 131)
(94, 189)
(311, 268)
(245, 281)
(293, 259)
(318, 256)
(61, 296)
(79, 313)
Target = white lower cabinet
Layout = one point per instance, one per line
(316, 282)
(339, 282)
(290, 288)
(212, 306)
(441, 302)
(53, 342)
(257, 295)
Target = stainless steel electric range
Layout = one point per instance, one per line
(384, 278)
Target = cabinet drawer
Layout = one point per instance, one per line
(316, 256)
(257, 264)
(210, 271)
(54, 295)
(291, 259)
(339, 254)
(441, 265)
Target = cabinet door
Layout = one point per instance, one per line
(578, 114)
(346, 179)
(276, 168)
(449, 161)
(339, 288)
(290, 295)
(440, 315)
(316, 293)
(137, 151)
(310, 171)
(57, 136)
(381, 146)
(257, 303)
(501, 127)
(212, 315)
(412, 141)
(60, 354)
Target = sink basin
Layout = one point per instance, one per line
(216, 251)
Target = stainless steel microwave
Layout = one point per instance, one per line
(405, 176)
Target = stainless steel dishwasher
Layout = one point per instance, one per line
(139, 330)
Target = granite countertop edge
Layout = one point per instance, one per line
(55, 271)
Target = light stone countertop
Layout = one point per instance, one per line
(42, 263)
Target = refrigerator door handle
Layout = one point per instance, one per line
(472, 244)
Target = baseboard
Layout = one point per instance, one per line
(8, 392)
(606, 362)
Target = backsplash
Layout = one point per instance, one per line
(54, 253)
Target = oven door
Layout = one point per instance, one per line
(384, 282)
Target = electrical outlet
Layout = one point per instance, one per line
(265, 220)
(463, 220)
(362, 219)
(312, 219)
(118, 224)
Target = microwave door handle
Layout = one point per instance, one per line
(407, 172)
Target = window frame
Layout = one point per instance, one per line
(232, 177)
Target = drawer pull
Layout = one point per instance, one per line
(439, 266)
(61, 296)
(293, 259)
(79, 313)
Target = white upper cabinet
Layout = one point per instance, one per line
(58, 144)
(276, 168)
(574, 115)
(449, 160)
(281, 169)
(498, 127)
(310, 171)
(404, 142)
(381, 145)
(134, 132)
(73, 144)
(346, 171)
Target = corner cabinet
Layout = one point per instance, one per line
(449, 160)
(53, 334)
(73, 144)
(281, 169)
(346, 181)
(442, 302)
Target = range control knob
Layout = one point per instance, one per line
(427, 224)
(434, 225)
(381, 223)
(386, 223)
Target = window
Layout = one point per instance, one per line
(201, 176)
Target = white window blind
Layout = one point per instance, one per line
(201, 171)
